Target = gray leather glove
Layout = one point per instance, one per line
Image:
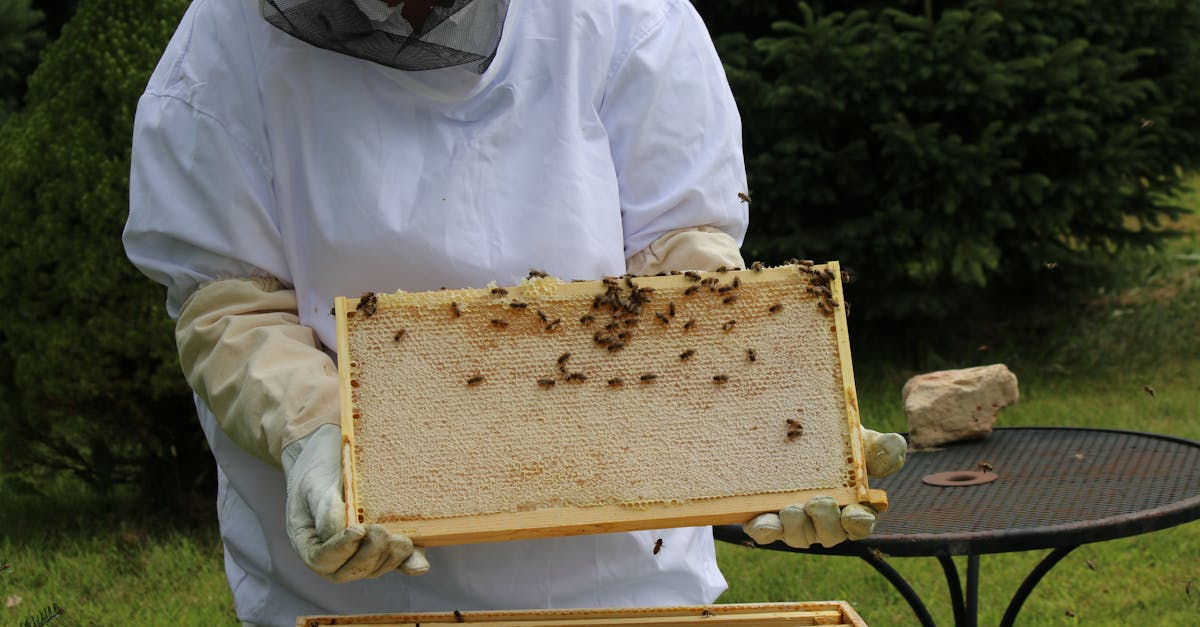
(820, 520)
(316, 517)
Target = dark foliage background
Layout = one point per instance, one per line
(976, 162)
(89, 382)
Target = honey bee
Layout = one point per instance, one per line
(615, 346)
(577, 377)
(776, 308)
(671, 309)
(724, 289)
(553, 324)
(399, 334)
(332, 310)
(629, 283)
(564, 357)
(737, 282)
(499, 291)
(496, 322)
(546, 383)
(807, 263)
(631, 322)
(707, 613)
(695, 276)
(475, 380)
(455, 310)
(597, 301)
(542, 315)
(710, 281)
(612, 326)
(624, 336)
(1149, 390)
(847, 276)
(794, 430)
(756, 266)
(587, 319)
(751, 354)
(691, 290)
(661, 318)
(687, 353)
(729, 300)
(599, 338)
(535, 273)
(458, 616)
(722, 269)
(648, 377)
(689, 324)
(720, 378)
(657, 546)
(616, 381)
(516, 304)
(368, 304)
(985, 467)
(728, 325)
(825, 309)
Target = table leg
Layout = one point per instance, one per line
(1027, 586)
(972, 609)
(901, 585)
(954, 587)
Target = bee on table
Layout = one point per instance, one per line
(658, 544)
(687, 354)
(499, 291)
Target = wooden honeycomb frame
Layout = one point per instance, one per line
(830, 613)
(460, 348)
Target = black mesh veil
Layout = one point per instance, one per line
(454, 33)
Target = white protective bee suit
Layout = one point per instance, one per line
(601, 137)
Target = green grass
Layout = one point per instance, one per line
(107, 563)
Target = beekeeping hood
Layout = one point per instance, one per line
(454, 33)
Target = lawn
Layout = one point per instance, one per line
(108, 563)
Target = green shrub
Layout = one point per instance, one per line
(20, 40)
(89, 379)
(969, 159)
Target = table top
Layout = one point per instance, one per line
(1053, 487)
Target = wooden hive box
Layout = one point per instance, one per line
(554, 408)
(734, 615)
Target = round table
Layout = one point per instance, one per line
(1053, 488)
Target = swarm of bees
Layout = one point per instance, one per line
(623, 301)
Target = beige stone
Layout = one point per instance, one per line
(952, 405)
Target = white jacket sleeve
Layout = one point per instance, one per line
(202, 222)
(674, 130)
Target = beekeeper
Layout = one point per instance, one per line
(288, 152)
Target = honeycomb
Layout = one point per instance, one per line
(628, 391)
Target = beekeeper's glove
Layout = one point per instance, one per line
(820, 520)
(316, 517)
(274, 392)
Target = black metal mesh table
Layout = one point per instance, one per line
(1054, 488)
